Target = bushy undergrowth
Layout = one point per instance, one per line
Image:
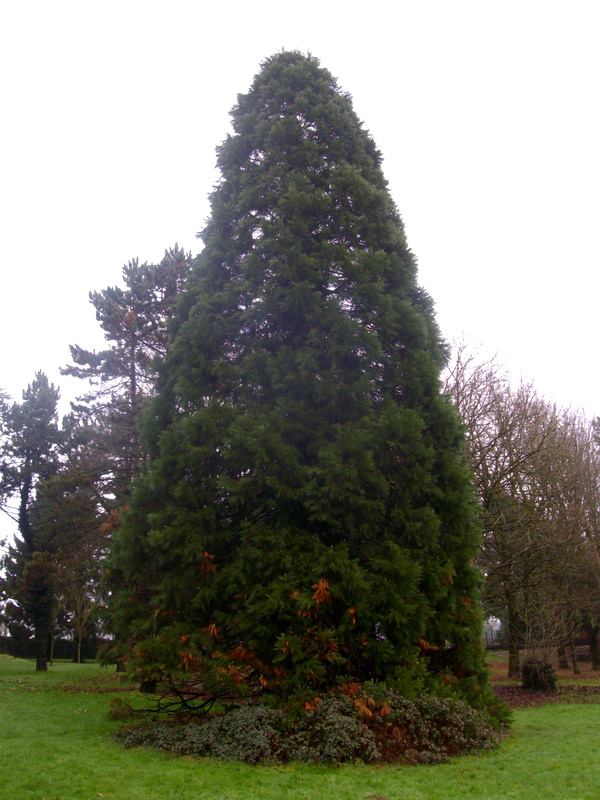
(332, 732)
(538, 676)
(334, 729)
(250, 733)
(429, 729)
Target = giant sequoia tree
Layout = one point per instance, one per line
(307, 514)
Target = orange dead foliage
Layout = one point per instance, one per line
(206, 563)
(111, 522)
(321, 593)
(310, 705)
(363, 709)
(235, 675)
(188, 660)
(240, 653)
(350, 689)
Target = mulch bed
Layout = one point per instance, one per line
(516, 697)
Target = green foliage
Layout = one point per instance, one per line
(538, 676)
(307, 499)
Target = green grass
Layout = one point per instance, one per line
(55, 744)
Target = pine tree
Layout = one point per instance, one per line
(307, 515)
(134, 320)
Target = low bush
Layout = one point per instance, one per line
(430, 729)
(538, 676)
(333, 729)
(331, 732)
(249, 733)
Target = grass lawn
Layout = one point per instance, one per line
(56, 744)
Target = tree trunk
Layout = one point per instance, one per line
(41, 648)
(594, 650)
(78, 654)
(514, 662)
(121, 665)
(42, 625)
(573, 650)
(563, 662)
(592, 634)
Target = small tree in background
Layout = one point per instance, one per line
(71, 517)
(307, 516)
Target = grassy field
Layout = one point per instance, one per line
(56, 744)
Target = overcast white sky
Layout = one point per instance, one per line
(487, 115)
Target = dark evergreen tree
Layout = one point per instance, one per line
(307, 515)
(30, 455)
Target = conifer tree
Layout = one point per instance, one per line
(307, 515)
(134, 320)
(29, 453)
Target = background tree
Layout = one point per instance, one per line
(307, 514)
(73, 520)
(580, 514)
(79, 587)
(134, 320)
(51, 476)
(530, 463)
(30, 456)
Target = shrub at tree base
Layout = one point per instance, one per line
(333, 729)
(538, 676)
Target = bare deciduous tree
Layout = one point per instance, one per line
(536, 476)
